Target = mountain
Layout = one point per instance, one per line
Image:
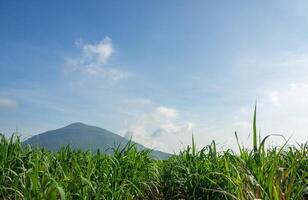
(82, 136)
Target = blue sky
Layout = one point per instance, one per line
(155, 71)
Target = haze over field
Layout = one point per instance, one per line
(155, 71)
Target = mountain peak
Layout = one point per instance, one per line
(77, 124)
(82, 136)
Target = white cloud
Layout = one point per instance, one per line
(165, 112)
(293, 97)
(100, 52)
(7, 103)
(93, 59)
(151, 125)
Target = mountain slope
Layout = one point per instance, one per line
(82, 136)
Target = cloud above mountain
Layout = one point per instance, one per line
(160, 121)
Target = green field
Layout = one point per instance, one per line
(276, 173)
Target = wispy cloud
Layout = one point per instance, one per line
(93, 60)
(282, 67)
(7, 103)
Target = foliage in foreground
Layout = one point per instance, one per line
(74, 174)
(205, 174)
(279, 173)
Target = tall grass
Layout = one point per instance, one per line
(278, 173)
(207, 174)
(74, 174)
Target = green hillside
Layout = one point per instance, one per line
(82, 136)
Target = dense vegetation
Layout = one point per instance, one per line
(278, 173)
(271, 174)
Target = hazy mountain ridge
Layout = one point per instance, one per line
(82, 136)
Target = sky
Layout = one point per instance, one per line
(156, 71)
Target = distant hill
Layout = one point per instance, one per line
(82, 136)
